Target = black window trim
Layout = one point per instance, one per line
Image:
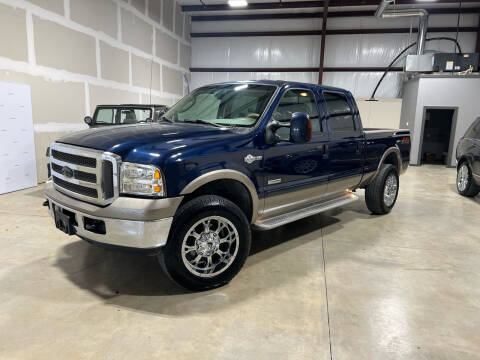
(355, 125)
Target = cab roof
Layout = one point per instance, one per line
(132, 105)
(282, 83)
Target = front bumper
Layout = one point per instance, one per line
(139, 232)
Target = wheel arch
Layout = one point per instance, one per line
(391, 156)
(215, 182)
(462, 159)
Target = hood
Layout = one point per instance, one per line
(155, 140)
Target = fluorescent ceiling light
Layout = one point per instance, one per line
(237, 3)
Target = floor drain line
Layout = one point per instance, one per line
(326, 297)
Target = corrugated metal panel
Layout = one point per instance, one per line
(303, 51)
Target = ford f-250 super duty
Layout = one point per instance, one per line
(224, 158)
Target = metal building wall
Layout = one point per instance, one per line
(303, 51)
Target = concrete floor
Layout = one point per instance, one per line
(401, 286)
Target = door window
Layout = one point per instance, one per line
(292, 101)
(339, 111)
(105, 116)
(474, 131)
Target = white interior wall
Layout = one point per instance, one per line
(76, 54)
(439, 91)
(383, 113)
(303, 51)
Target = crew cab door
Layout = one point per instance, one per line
(346, 150)
(295, 173)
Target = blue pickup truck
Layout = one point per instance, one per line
(225, 158)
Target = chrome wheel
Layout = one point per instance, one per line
(210, 246)
(390, 190)
(462, 178)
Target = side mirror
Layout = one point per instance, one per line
(300, 128)
(88, 120)
(148, 120)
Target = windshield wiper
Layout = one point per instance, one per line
(200, 121)
(163, 118)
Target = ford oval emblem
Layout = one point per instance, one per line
(67, 172)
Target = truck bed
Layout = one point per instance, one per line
(375, 133)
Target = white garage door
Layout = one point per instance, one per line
(17, 147)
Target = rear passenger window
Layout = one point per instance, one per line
(292, 101)
(341, 118)
(473, 131)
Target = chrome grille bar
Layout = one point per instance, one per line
(86, 163)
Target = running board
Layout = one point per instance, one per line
(305, 212)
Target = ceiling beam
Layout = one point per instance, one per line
(296, 69)
(309, 4)
(331, 32)
(319, 15)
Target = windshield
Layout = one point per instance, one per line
(225, 105)
(121, 115)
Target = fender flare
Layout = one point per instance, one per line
(393, 149)
(225, 174)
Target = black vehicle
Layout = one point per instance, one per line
(107, 115)
(468, 160)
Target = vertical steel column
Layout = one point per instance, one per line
(477, 47)
(322, 44)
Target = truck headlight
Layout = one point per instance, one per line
(140, 179)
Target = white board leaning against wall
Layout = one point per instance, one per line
(17, 147)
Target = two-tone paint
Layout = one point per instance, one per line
(279, 177)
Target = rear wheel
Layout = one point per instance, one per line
(381, 194)
(208, 245)
(465, 184)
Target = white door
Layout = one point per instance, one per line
(17, 148)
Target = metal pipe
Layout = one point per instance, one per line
(422, 33)
(422, 14)
(382, 7)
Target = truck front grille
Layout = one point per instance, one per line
(77, 174)
(79, 189)
(74, 159)
(87, 174)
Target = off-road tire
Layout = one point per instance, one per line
(374, 192)
(204, 207)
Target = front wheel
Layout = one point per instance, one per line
(381, 194)
(465, 184)
(208, 245)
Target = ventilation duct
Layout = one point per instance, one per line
(422, 14)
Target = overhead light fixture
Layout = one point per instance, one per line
(238, 3)
(240, 87)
